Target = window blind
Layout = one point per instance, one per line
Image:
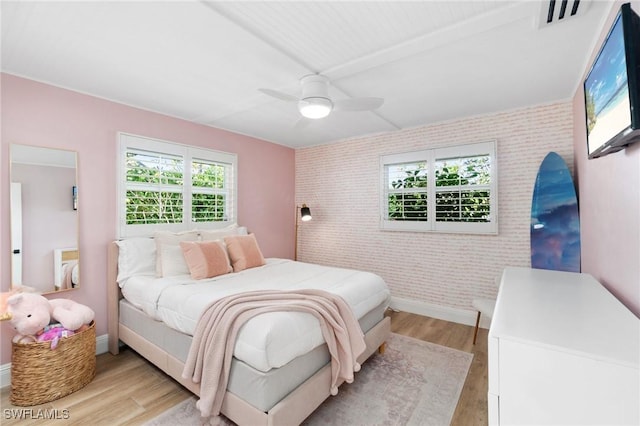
(168, 186)
(450, 189)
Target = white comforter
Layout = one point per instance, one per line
(269, 340)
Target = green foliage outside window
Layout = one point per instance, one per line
(464, 203)
(153, 207)
(208, 207)
(455, 197)
(207, 175)
(154, 185)
(155, 190)
(207, 203)
(408, 201)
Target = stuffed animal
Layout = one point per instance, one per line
(4, 313)
(28, 314)
(72, 315)
(32, 312)
(53, 333)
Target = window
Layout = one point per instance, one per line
(167, 186)
(406, 185)
(452, 189)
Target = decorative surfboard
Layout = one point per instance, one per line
(555, 220)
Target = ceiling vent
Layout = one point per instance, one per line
(558, 11)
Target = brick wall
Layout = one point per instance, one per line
(428, 271)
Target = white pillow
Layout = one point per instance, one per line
(164, 238)
(136, 256)
(219, 234)
(173, 261)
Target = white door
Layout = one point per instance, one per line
(16, 233)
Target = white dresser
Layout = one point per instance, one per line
(562, 350)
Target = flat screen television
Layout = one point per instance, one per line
(612, 88)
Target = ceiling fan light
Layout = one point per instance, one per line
(315, 107)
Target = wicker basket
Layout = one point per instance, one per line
(39, 374)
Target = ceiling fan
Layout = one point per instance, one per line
(315, 102)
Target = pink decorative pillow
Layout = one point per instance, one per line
(206, 259)
(244, 252)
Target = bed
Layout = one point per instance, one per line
(281, 368)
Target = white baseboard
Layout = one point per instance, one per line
(102, 346)
(5, 375)
(460, 316)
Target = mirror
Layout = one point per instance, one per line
(44, 219)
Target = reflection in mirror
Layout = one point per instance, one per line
(44, 219)
(65, 265)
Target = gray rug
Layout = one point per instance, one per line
(413, 383)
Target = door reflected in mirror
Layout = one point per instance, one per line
(44, 219)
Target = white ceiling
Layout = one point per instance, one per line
(205, 61)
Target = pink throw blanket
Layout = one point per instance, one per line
(215, 336)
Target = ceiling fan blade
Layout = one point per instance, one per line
(358, 104)
(302, 123)
(279, 95)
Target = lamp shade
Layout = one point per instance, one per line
(315, 107)
(305, 213)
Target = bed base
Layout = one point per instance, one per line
(293, 409)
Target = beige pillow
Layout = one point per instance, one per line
(244, 252)
(206, 259)
(166, 265)
(218, 234)
(173, 262)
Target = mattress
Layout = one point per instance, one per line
(260, 389)
(269, 340)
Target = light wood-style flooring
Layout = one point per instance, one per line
(128, 390)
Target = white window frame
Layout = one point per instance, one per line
(430, 157)
(188, 153)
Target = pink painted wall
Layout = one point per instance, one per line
(48, 219)
(609, 193)
(39, 114)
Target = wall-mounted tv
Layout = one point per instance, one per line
(612, 88)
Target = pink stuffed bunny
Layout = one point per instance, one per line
(30, 313)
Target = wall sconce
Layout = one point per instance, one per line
(305, 216)
(305, 213)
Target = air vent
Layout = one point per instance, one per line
(557, 11)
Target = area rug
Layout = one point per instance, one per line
(413, 383)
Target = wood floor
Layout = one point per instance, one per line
(127, 390)
(472, 405)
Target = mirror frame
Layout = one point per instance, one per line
(32, 155)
